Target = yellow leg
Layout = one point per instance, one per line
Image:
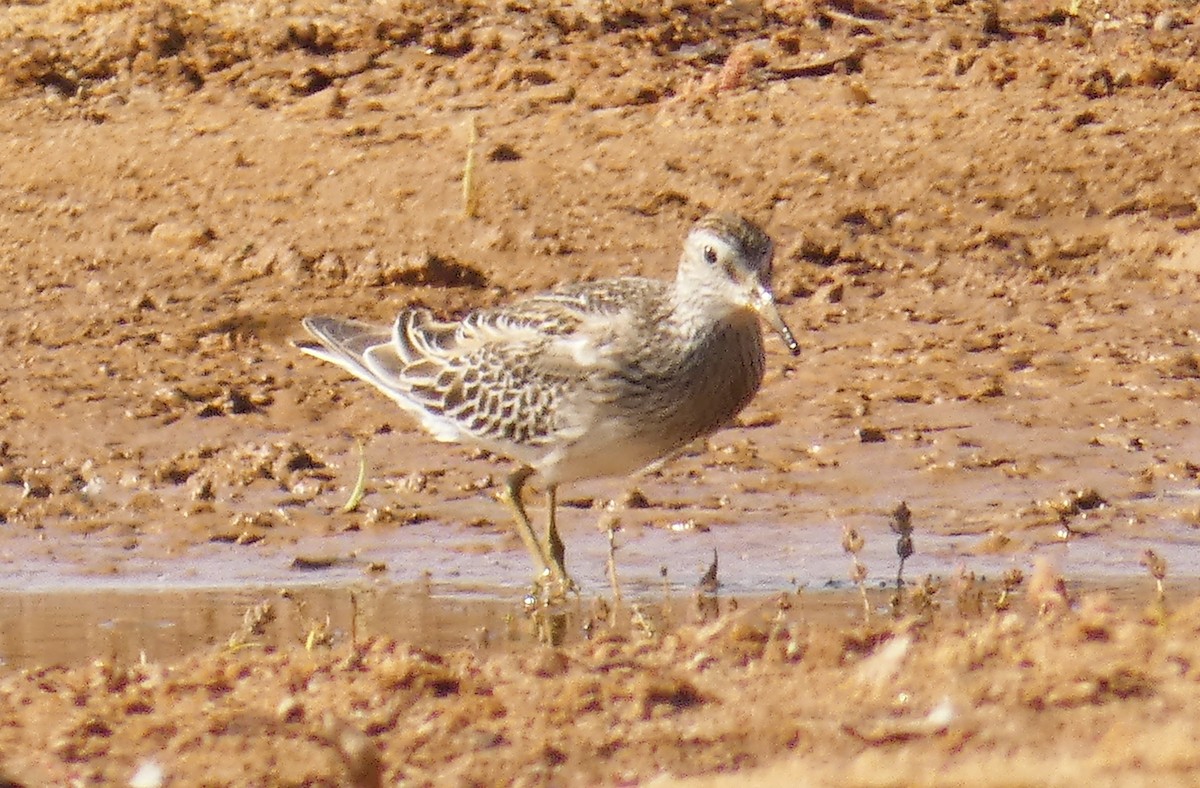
(555, 550)
(512, 496)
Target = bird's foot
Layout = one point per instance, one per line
(546, 605)
(550, 588)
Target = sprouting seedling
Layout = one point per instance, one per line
(852, 544)
(642, 622)
(320, 633)
(921, 599)
(254, 625)
(1156, 565)
(470, 195)
(611, 524)
(353, 618)
(970, 593)
(903, 528)
(708, 581)
(360, 485)
(1009, 583)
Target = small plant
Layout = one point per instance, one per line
(901, 526)
(708, 581)
(360, 485)
(1047, 591)
(642, 623)
(470, 194)
(968, 593)
(254, 626)
(1009, 583)
(922, 600)
(1156, 565)
(320, 633)
(611, 524)
(852, 544)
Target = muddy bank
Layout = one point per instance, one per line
(986, 227)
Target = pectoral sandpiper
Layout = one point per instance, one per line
(591, 379)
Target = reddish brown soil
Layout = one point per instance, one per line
(986, 218)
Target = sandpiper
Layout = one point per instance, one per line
(588, 380)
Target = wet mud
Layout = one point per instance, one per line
(985, 217)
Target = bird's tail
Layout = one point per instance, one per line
(344, 343)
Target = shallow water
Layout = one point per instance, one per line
(86, 598)
(754, 558)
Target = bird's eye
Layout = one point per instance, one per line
(710, 255)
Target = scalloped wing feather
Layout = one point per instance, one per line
(502, 376)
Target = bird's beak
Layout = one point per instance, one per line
(764, 304)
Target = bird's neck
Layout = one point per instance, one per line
(699, 305)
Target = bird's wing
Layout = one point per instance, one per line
(501, 376)
(604, 298)
(513, 373)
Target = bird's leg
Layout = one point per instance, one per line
(512, 496)
(555, 550)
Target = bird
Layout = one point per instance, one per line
(591, 379)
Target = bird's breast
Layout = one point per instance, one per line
(676, 397)
(657, 398)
